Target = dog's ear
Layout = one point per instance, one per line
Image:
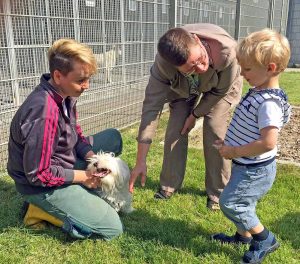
(92, 159)
(101, 152)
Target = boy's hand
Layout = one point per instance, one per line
(227, 152)
(218, 144)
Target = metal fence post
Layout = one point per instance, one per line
(155, 26)
(237, 19)
(290, 18)
(76, 20)
(122, 14)
(103, 25)
(173, 14)
(284, 11)
(11, 52)
(271, 14)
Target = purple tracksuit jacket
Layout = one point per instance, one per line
(44, 143)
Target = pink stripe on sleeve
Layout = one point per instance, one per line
(51, 118)
(46, 135)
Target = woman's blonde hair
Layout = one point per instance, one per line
(64, 52)
(264, 47)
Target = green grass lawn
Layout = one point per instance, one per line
(290, 83)
(173, 231)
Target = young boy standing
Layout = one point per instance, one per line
(251, 141)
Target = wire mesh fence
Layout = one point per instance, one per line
(123, 35)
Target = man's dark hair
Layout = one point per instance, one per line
(174, 45)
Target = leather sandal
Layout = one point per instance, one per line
(212, 205)
(162, 194)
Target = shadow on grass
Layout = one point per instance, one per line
(141, 225)
(175, 233)
(10, 204)
(193, 191)
(288, 228)
(154, 186)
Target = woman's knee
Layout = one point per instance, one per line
(110, 226)
(115, 133)
(108, 140)
(106, 227)
(113, 232)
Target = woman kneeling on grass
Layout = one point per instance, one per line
(48, 153)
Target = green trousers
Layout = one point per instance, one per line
(81, 210)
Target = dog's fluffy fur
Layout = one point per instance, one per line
(115, 175)
(108, 59)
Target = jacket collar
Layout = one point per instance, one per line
(52, 91)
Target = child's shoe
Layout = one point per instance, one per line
(259, 249)
(235, 239)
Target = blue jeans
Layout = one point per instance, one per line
(246, 186)
(82, 211)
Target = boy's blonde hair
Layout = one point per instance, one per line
(264, 47)
(64, 52)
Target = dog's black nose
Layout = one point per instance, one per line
(96, 164)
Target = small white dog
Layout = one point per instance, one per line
(108, 59)
(115, 175)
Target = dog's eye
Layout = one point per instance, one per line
(96, 164)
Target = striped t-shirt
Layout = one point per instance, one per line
(256, 110)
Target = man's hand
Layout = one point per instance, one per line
(189, 124)
(140, 169)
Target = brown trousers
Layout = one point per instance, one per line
(217, 169)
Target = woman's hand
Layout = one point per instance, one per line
(87, 179)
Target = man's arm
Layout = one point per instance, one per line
(155, 98)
